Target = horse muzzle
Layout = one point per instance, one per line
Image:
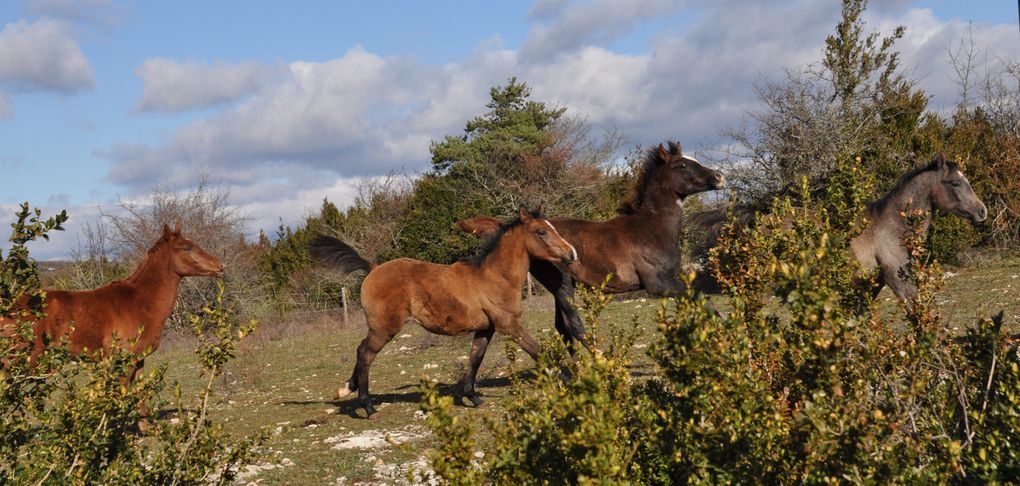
(720, 181)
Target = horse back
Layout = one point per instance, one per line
(615, 247)
(95, 314)
(444, 299)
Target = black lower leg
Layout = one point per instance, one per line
(478, 347)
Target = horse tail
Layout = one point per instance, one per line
(712, 220)
(332, 252)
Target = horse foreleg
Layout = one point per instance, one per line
(478, 347)
(561, 285)
(894, 278)
(143, 411)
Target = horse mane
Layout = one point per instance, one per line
(163, 240)
(490, 244)
(653, 161)
(881, 202)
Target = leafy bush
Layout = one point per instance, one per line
(67, 421)
(801, 382)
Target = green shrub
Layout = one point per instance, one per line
(801, 382)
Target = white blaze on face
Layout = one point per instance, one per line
(691, 159)
(553, 228)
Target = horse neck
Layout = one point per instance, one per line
(156, 284)
(911, 195)
(509, 260)
(662, 210)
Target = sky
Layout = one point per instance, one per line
(287, 103)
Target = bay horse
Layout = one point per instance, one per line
(136, 307)
(639, 248)
(480, 295)
(938, 185)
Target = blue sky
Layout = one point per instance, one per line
(290, 102)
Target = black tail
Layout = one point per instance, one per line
(332, 252)
(713, 219)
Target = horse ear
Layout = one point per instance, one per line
(480, 226)
(940, 160)
(539, 210)
(177, 227)
(525, 216)
(663, 154)
(166, 231)
(675, 149)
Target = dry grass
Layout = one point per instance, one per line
(285, 375)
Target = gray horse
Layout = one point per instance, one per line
(938, 185)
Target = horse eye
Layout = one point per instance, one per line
(187, 248)
(540, 232)
(955, 184)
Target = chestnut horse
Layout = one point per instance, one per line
(938, 185)
(639, 247)
(134, 308)
(481, 294)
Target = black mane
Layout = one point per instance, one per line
(653, 161)
(493, 241)
(879, 204)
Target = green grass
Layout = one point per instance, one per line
(284, 378)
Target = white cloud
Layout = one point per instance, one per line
(355, 115)
(61, 243)
(584, 24)
(174, 86)
(927, 41)
(40, 56)
(100, 12)
(304, 133)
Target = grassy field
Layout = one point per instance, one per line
(284, 379)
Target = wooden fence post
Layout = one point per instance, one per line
(343, 297)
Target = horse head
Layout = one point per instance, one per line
(543, 241)
(186, 257)
(685, 175)
(953, 192)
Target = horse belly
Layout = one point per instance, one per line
(448, 315)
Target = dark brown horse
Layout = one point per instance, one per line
(639, 247)
(134, 308)
(480, 295)
(938, 185)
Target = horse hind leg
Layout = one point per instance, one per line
(367, 351)
(478, 347)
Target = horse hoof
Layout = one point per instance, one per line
(343, 392)
(371, 412)
(476, 400)
(144, 427)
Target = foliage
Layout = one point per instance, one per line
(810, 385)
(520, 152)
(372, 223)
(513, 127)
(589, 429)
(66, 421)
(856, 102)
